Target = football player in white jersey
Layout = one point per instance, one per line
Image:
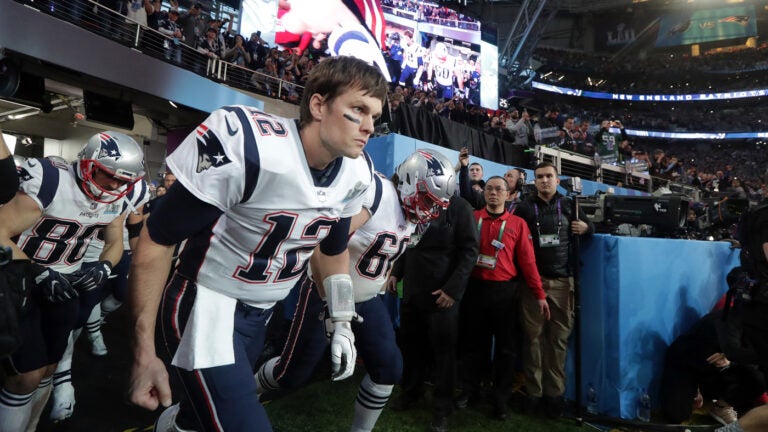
(57, 212)
(113, 291)
(254, 195)
(442, 70)
(423, 184)
(412, 60)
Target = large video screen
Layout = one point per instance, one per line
(437, 48)
(423, 44)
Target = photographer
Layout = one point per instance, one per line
(9, 181)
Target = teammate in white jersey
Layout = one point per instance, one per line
(412, 61)
(442, 70)
(254, 195)
(424, 182)
(112, 291)
(57, 212)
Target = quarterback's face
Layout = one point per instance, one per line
(347, 122)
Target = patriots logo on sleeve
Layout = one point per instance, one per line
(433, 165)
(24, 175)
(210, 151)
(108, 147)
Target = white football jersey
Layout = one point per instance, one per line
(376, 245)
(70, 222)
(136, 198)
(252, 166)
(411, 56)
(443, 70)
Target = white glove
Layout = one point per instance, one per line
(343, 353)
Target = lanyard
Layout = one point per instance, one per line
(559, 217)
(501, 232)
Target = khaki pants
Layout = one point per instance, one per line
(546, 342)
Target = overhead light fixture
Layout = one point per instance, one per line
(172, 104)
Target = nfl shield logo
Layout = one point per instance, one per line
(321, 195)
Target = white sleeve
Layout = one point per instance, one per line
(38, 181)
(365, 174)
(211, 163)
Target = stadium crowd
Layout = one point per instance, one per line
(669, 73)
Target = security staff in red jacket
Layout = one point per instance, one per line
(489, 309)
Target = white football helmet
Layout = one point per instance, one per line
(117, 155)
(425, 182)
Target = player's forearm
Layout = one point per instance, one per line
(325, 265)
(112, 252)
(17, 253)
(149, 271)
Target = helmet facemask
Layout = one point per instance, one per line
(94, 191)
(423, 206)
(425, 184)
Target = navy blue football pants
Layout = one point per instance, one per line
(221, 398)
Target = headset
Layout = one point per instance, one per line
(520, 181)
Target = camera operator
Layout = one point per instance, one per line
(9, 180)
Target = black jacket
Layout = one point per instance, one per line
(444, 256)
(554, 261)
(473, 197)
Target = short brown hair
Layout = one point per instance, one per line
(546, 165)
(335, 75)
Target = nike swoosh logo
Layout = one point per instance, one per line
(31, 163)
(230, 129)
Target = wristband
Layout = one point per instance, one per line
(340, 297)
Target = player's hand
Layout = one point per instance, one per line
(86, 280)
(54, 286)
(544, 309)
(148, 386)
(343, 353)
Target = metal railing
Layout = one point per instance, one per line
(578, 165)
(110, 24)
